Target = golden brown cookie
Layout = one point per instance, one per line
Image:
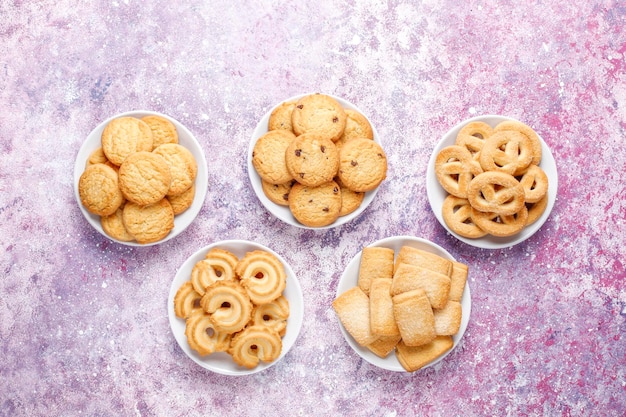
(413, 358)
(277, 193)
(262, 275)
(145, 178)
(506, 151)
(268, 156)
(217, 265)
(455, 168)
(113, 225)
(535, 184)
(312, 159)
(517, 126)
(163, 131)
(315, 206)
(186, 300)
(255, 344)
(376, 262)
(273, 314)
(98, 157)
(414, 317)
(357, 126)
(473, 135)
(182, 164)
(202, 335)
(496, 192)
(99, 190)
(457, 214)
(228, 306)
(501, 225)
(362, 164)
(182, 201)
(123, 136)
(350, 200)
(148, 223)
(535, 210)
(321, 113)
(280, 117)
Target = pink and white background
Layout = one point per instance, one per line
(83, 321)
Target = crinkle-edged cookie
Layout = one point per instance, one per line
(123, 136)
(315, 206)
(280, 117)
(99, 190)
(312, 159)
(277, 193)
(163, 131)
(182, 164)
(145, 178)
(149, 223)
(362, 164)
(268, 156)
(321, 113)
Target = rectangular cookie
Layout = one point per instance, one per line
(353, 309)
(458, 278)
(409, 277)
(414, 317)
(413, 358)
(382, 320)
(448, 319)
(384, 345)
(418, 257)
(376, 262)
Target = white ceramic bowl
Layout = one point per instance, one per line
(221, 362)
(185, 138)
(436, 193)
(283, 212)
(349, 279)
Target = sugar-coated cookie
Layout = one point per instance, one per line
(123, 136)
(145, 178)
(315, 206)
(321, 113)
(163, 131)
(268, 156)
(149, 223)
(362, 164)
(182, 164)
(312, 159)
(99, 190)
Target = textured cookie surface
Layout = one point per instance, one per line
(315, 206)
(99, 191)
(321, 113)
(277, 193)
(362, 164)
(163, 131)
(312, 159)
(182, 164)
(148, 223)
(357, 126)
(182, 201)
(113, 225)
(144, 178)
(280, 118)
(268, 156)
(123, 136)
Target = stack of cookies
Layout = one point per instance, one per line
(139, 179)
(409, 302)
(319, 159)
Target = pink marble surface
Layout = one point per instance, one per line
(83, 321)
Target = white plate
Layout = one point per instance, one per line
(436, 193)
(349, 279)
(222, 362)
(283, 212)
(185, 138)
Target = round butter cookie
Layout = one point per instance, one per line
(357, 126)
(321, 113)
(163, 131)
(273, 314)
(148, 223)
(202, 335)
(182, 201)
(228, 305)
(280, 118)
(113, 225)
(182, 164)
(362, 164)
(268, 156)
(312, 159)
(277, 193)
(217, 265)
(123, 136)
(350, 200)
(254, 344)
(262, 275)
(145, 178)
(99, 191)
(315, 206)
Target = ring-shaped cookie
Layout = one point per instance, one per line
(496, 192)
(457, 214)
(273, 315)
(473, 135)
(499, 225)
(218, 265)
(202, 335)
(535, 210)
(535, 183)
(518, 126)
(506, 151)
(455, 168)
(254, 344)
(186, 300)
(228, 306)
(262, 275)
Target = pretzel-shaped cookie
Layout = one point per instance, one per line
(457, 214)
(514, 125)
(500, 225)
(455, 168)
(506, 151)
(473, 136)
(535, 210)
(496, 192)
(535, 183)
